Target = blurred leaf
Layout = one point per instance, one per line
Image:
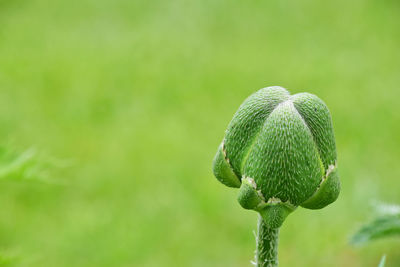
(28, 165)
(383, 260)
(385, 225)
(386, 209)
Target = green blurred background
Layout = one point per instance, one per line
(136, 95)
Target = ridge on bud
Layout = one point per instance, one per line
(280, 150)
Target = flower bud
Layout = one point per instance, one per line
(280, 150)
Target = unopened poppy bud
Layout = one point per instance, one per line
(280, 150)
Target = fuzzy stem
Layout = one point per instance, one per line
(267, 245)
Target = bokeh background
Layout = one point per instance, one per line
(129, 100)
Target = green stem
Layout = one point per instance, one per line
(267, 245)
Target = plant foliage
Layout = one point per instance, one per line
(386, 224)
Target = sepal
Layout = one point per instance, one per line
(223, 171)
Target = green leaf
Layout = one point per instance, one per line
(383, 226)
(29, 165)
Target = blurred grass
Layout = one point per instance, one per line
(139, 93)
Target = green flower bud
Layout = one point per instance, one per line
(280, 150)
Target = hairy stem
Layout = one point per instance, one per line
(267, 245)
